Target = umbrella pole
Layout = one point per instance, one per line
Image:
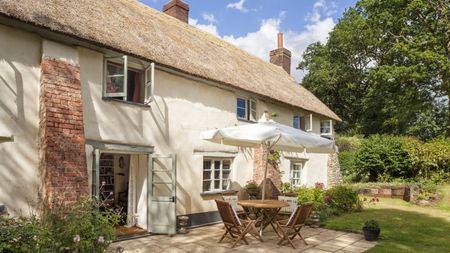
(264, 180)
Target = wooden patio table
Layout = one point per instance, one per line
(269, 210)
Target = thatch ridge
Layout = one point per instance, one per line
(132, 27)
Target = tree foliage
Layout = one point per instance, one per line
(386, 68)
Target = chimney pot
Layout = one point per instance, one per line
(280, 40)
(177, 9)
(281, 56)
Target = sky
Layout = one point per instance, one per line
(253, 24)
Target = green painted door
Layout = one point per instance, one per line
(161, 198)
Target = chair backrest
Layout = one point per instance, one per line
(227, 213)
(301, 214)
(292, 201)
(232, 199)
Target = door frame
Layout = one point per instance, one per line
(115, 148)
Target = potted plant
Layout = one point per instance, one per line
(252, 188)
(371, 230)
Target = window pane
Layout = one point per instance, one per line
(252, 115)
(241, 103)
(308, 122)
(216, 184)
(241, 113)
(253, 105)
(295, 122)
(206, 175)
(206, 186)
(325, 127)
(206, 164)
(114, 78)
(225, 174)
(224, 184)
(302, 123)
(226, 165)
(241, 108)
(216, 169)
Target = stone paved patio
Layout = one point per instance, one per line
(204, 239)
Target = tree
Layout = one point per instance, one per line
(386, 67)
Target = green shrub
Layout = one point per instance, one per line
(314, 195)
(348, 143)
(382, 158)
(18, 234)
(385, 158)
(343, 199)
(84, 227)
(347, 164)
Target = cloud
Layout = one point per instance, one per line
(259, 43)
(211, 28)
(238, 6)
(209, 17)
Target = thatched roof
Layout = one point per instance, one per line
(134, 28)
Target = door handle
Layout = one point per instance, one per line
(172, 199)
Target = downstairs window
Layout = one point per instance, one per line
(216, 174)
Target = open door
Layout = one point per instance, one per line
(161, 196)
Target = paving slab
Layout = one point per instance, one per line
(205, 240)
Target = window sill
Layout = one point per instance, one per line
(218, 192)
(125, 102)
(246, 120)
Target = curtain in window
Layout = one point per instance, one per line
(136, 92)
(131, 212)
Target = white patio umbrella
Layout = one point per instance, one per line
(271, 135)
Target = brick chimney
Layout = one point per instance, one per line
(281, 56)
(177, 9)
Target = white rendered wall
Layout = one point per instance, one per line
(20, 54)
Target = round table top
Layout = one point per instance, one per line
(267, 203)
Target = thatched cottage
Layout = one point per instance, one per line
(108, 97)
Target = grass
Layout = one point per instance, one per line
(404, 227)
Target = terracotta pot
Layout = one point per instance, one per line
(252, 192)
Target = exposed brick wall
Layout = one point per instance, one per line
(177, 9)
(333, 170)
(282, 58)
(61, 133)
(273, 184)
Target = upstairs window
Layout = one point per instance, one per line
(216, 174)
(128, 81)
(246, 109)
(325, 127)
(302, 122)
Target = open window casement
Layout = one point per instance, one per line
(149, 83)
(116, 78)
(252, 110)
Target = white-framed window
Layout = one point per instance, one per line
(326, 127)
(302, 122)
(296, 173)
(128, 81)
(216, 174)
(246, 109)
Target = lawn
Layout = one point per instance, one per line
(404, 227)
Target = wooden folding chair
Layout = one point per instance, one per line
(234, 227)
(287, 230)
(233, 200)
